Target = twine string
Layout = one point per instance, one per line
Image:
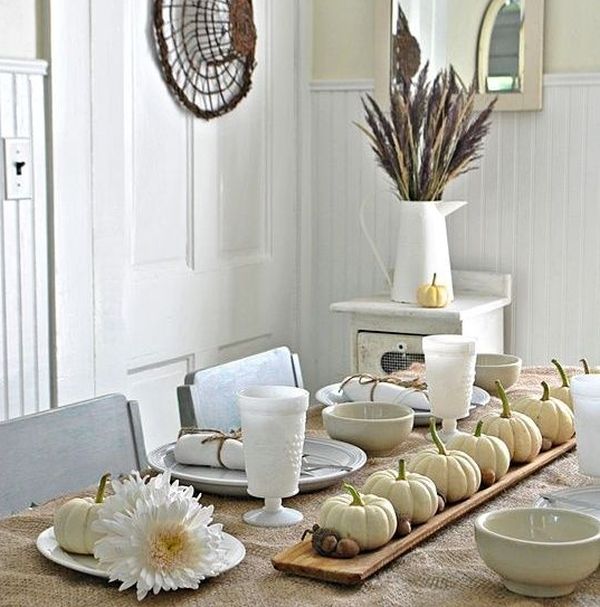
(416, 384)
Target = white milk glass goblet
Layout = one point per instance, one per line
(273, 423)
(585, 395)
(449, 373)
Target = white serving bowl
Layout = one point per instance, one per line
(375, 427)
(490, 367)
(539, 552)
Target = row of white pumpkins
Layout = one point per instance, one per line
(517, 433)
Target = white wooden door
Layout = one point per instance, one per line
(194, 222)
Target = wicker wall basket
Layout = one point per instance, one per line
(206, 51)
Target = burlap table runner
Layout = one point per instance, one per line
(446, 570)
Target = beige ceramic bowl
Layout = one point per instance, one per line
(375, 427)
(490, 367)
(539, 552)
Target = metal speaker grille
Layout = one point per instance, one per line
(399, 361)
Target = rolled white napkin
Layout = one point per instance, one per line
(356, 390)
(196, 450)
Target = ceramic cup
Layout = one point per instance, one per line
(273, 422)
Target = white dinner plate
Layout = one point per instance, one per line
(220, 481)
(331, 395)
(234, 553)
(583, 495)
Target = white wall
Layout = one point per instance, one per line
(534, 210)
(18, 28)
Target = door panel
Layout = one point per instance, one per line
(205, 267)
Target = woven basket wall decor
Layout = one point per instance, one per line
(206, 52)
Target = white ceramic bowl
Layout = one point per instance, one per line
(375, 427)
(490, 367)
(539, 552)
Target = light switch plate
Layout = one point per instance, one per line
(17, 168)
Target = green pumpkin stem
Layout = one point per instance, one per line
(561, 372)
(586, 367)
(546, 393)
(101, 488)
(401, 470)
(434, 279)
(356, 497)
(436, 439)
(478, 428)
(506, 412)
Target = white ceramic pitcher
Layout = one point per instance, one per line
(422, 248)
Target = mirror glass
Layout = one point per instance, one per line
(500, 54)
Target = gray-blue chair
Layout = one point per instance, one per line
(68, 448)
(208, 397)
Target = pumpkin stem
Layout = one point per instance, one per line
(478, 428)
(546, 394)
(506, 412)
(434, 279)
(401, 470)
(101, 488)
(561, 372)
(356, 497)
(586, 367)
(436, 439)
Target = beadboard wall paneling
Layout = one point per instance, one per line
(534, 211)
(24, 350)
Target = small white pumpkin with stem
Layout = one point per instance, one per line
(562, 392)
(369, 520)
(551, 415)
(587, 369)
(432, 295)
(455, 474)
(73, 522)
(519, 432)
(413, 496)
(489, 452)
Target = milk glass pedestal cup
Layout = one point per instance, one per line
(273, 423)
(449, 373)
(585, 394)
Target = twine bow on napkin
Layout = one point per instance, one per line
(213, 435)
(416, 384)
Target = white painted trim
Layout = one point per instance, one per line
(342, 85)
(24, 66)
(304, 205)
(572, 79)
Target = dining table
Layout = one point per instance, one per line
(444, 570)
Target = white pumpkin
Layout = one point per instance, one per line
(369, 520)
(413, 496)
(489, 452)
(562, 392)
(551, 415)
(455, 474)
(73, 522)
(519, 432)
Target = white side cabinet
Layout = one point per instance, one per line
(386, 336)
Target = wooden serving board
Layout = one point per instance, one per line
(301, 559)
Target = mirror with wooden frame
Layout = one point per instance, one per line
(496, 43)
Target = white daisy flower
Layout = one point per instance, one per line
(157, 536)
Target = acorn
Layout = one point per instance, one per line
(324, 541)
(488, 477)
(346, 548)
(404, 527)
